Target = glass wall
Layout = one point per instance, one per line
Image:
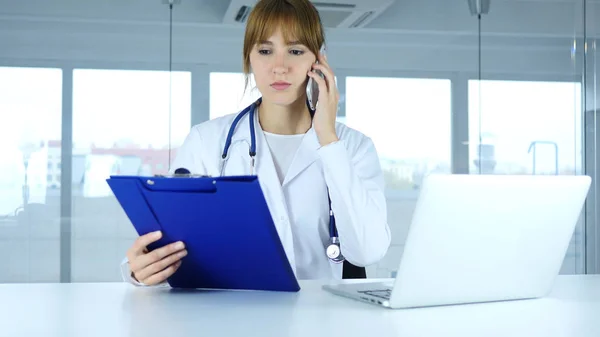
(393, 113)
(30, 157)
(537, 131)
(525, 99)
(439, 86)
(228, 93)
(125, 122)
(591, 102)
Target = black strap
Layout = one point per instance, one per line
(350, 271)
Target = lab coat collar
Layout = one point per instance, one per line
(305, 156)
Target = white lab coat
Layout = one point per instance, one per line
(350, 168)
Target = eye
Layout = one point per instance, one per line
(264, 51)
(297, 52)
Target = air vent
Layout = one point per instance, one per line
(364, 17)
(242, 14)
(332, 5)
(335, 13)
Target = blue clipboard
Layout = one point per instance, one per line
(225, 223)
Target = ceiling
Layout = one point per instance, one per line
(506, 17)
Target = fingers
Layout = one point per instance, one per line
(141, 243)
(160, 266)
(329, 76)
(324, 62)
(162, 275)
(320, 81)
(330, 89)
(156, 266)
(143, 260)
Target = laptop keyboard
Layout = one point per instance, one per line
(383, 293)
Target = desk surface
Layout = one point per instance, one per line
(119, 309)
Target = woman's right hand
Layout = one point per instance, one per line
(151, 268)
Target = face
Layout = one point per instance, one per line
(280, 69)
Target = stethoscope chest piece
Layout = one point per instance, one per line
(334, 252)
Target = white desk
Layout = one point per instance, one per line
(118, 309)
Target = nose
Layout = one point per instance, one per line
(280, 64)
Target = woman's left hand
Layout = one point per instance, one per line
(326, 111)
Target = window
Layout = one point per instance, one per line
(408, 120)
(121, 122)
(31, 105)
(519, 127)
(525, 127)
(228, 94)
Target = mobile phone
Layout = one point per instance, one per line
(312, 87)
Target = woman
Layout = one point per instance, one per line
(308, 158)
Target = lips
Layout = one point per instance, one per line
(280, 85)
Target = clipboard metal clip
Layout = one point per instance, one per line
(181, 175)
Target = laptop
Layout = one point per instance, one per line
(480, 238)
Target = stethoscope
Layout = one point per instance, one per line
(333, 250)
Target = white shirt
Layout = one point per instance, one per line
(283, 149)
